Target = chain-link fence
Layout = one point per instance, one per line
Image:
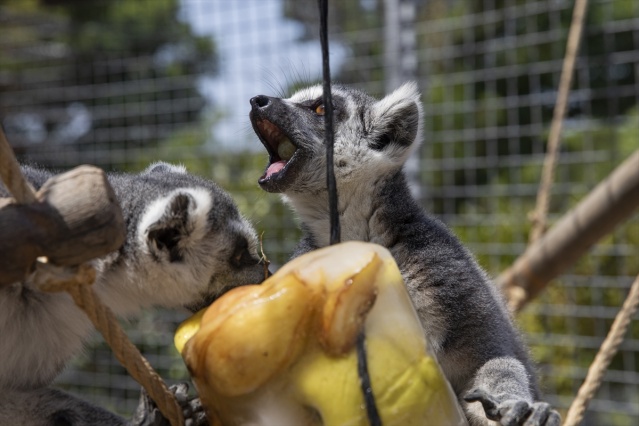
(123, 83)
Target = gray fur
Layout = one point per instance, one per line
(466, 321)
(186, 243)
(51, 407)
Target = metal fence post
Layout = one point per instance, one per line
(400, 64)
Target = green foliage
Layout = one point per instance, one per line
(132, 28)
(21, 5)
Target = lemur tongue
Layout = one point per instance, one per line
(274, 168)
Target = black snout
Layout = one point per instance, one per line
(260, 101)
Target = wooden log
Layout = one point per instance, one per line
(610, 203)
(76, 218)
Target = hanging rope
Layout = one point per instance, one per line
(76, 281)
(52, 278)
(328, 125)
(606, 352)
(540, 214)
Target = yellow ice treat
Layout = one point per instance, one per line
(407, 392)
(286, 352)
(187, 329)
(263, 334)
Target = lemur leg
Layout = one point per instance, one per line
(48, 406)
(52, 407)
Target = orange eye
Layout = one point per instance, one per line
(319, 110)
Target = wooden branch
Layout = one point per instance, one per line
(76, 218)
(609, 204)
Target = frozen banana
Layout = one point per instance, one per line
(331, 339)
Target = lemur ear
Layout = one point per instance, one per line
(162, 167)
(174, 223)
(396, 121)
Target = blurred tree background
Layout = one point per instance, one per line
(62, 55)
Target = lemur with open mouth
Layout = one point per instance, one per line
(466, 321)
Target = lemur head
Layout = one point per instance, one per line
(186, 240)
(372, 137)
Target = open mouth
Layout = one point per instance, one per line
(280, 148)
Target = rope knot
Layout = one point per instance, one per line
(52, 278)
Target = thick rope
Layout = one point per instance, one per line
(77, 284)
(11, 174)
(606, 352)
(540, 214)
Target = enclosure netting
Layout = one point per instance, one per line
(123, 83)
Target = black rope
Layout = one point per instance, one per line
(365, 382)
(362, 364)
(328, 125)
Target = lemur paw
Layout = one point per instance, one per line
(148, 414)
(515, 412)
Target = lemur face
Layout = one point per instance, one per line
(371, 136)
(187, 243)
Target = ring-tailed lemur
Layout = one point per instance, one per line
(465, 319)
(185, 243)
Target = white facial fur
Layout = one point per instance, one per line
(197, 222)
(152, 279)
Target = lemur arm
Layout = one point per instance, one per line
(306, 244)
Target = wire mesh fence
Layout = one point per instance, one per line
(123, 83)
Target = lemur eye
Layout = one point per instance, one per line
(319, 110)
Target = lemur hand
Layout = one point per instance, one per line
(148, 414)
(515, 412)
